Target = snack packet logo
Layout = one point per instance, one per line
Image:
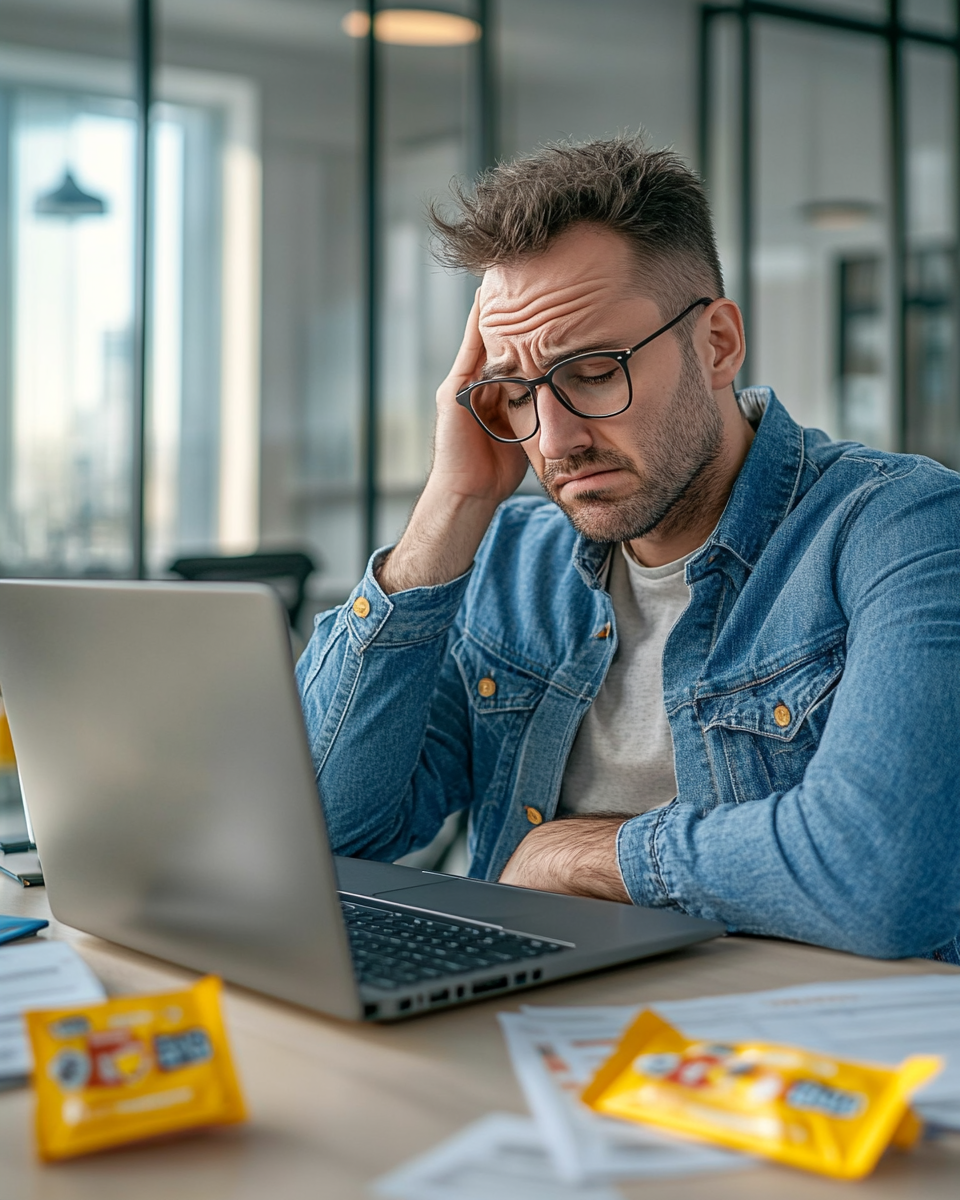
(809, 1096)
(182, 1049)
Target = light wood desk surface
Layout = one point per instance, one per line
(335, 1105)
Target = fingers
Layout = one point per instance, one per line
(469, 358)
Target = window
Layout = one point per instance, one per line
(829, 144)
(68, 137)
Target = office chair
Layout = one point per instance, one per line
(286, 571)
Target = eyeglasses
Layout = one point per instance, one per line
(594, 385)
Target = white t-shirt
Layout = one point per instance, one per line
(622, 757)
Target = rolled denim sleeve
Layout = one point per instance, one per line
(637, 859)
(385, 716)
(863, 854)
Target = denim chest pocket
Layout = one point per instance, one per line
(502, 703)
(766, 732)
(492, 684)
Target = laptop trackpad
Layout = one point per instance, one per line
(463, 898)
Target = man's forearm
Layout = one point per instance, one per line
(378, 676)
(440, 542)
(577, 857)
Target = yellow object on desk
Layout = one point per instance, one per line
(8, 760)
(798, 1107)
(131, 1068)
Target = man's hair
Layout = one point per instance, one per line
(650, 197)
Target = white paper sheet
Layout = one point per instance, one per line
(35, 975)
(554, 1058)
(875, 1020)
(500, 1156)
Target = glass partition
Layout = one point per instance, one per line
(932, 396)
(67, 207)
(870, 9)
(822, 170)
(846, 213)
(584, 71)
(429, 137)
(939, 16)
(263, 155)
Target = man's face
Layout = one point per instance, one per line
(617, 478)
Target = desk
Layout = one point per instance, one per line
(334, 1105)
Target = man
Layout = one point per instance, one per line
(727, 653)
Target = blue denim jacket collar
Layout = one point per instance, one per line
(590, 560)
(765, 489)
(762, 495)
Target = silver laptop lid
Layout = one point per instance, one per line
(165, 766)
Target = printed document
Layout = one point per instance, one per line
(871, 1020)
(554, 1058)
(36, 975)
(500, 1156)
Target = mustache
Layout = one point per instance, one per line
(609, 460)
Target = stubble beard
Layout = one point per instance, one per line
(677, 481)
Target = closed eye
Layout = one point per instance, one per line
(593, 380)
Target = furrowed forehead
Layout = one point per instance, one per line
(586, 266)
(588, 291)
(556, 337)
(508, 366)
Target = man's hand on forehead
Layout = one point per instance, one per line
(470, 476)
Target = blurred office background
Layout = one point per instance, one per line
(198, 353)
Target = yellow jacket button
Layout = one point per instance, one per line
(533, 815)
(604, 632)
(361, 606)
(486, 686)
(781, 714)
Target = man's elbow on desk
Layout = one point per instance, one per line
(892, 924)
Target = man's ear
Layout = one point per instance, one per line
(721, 343)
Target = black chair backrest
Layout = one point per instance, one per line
(286, 571)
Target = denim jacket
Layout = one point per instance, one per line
(812, 686)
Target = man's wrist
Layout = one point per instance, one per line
(439, 544)
(577, 857)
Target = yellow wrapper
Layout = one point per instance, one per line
(799, 1107)
(136, 1067)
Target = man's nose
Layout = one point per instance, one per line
(562, 432)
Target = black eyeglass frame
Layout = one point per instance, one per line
(621, 356)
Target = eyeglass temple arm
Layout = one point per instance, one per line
(670, 324)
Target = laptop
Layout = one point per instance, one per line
(165, 766)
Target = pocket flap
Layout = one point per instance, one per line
(777, 706)
(493, 684)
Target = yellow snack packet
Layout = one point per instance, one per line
(131, 1068)
(796, 1106)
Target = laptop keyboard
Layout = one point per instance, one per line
(394, 949)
